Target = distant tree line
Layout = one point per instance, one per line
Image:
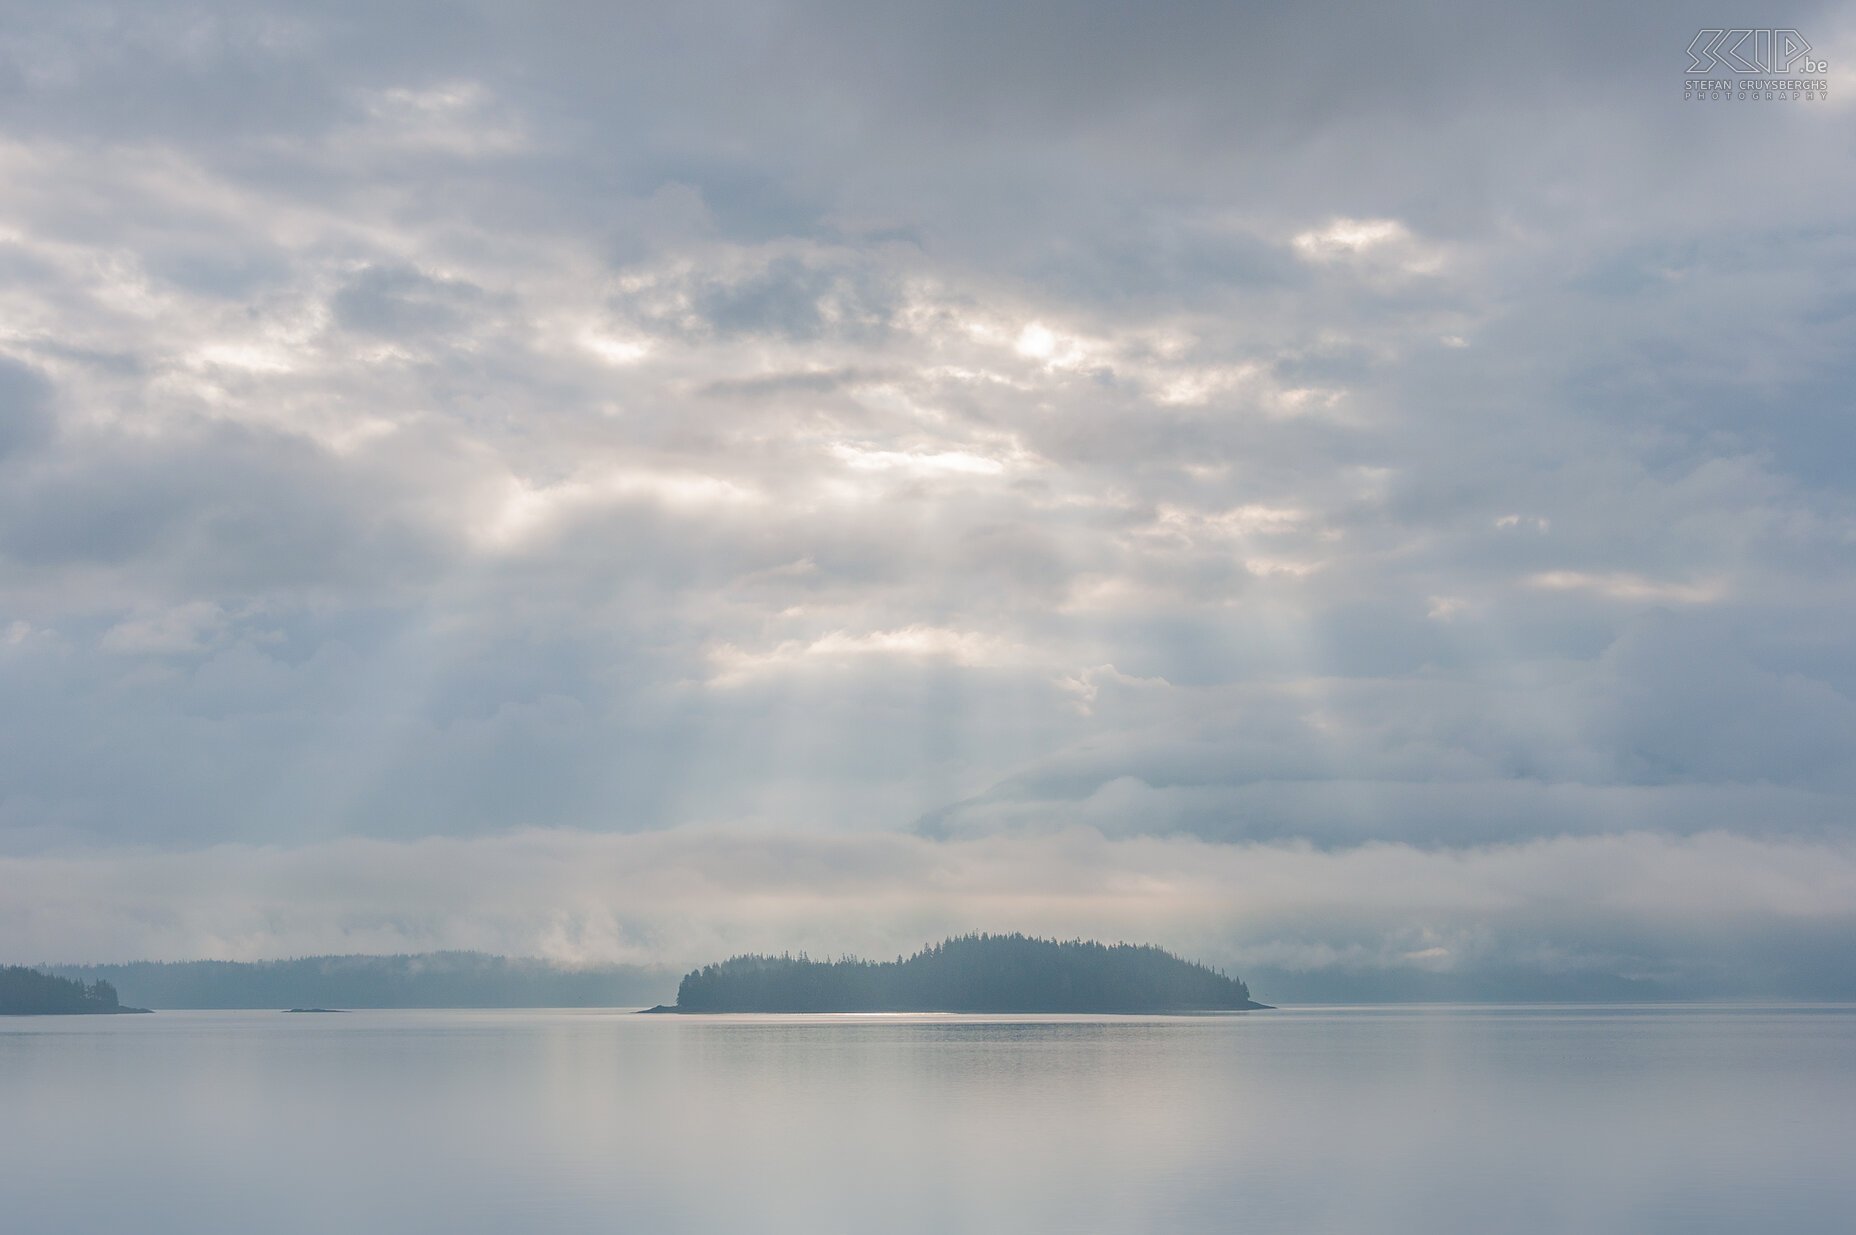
(28, 992)
(426, 980)
(971, 973)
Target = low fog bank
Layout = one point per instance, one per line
(1627, 916)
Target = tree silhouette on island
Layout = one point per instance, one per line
(970, 973)
(28, 992)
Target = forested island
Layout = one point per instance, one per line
(28, 992)
(971, 973)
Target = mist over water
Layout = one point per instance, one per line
(1432, 1119)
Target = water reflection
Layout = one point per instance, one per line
(1435, 1120)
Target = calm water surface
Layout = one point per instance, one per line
(1351, 1120)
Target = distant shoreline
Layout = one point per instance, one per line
(426, 980)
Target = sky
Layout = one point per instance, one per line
(1342, 493)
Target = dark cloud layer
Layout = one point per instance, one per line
(1413, 432)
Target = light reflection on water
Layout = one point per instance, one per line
(1438, 1119)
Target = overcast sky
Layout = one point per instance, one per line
(1324, 491)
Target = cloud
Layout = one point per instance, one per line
(186, 628)
(1626, 586)
(1374, 243)
(26, 419)
(952, 427)
(388, 301)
